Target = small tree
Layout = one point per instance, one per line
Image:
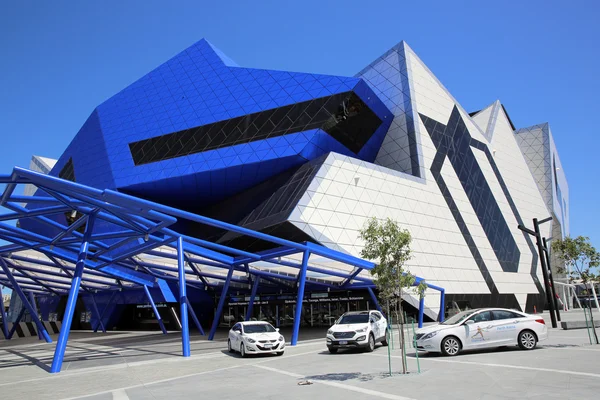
(580, 258)
(389, 246)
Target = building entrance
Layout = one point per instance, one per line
(318, 310)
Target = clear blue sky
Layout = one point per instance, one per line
(540, 58)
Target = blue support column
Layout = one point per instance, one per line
(215, 324)
(421, 311)
(194, 317)
(374, 298)
(63, 337)
(14, 327)
(442, 313)
(17, 289)
(185, 328)
(104, 311)
(3, 315)
(252, 296)
(158, 318)
(34, 306)
(300, 297)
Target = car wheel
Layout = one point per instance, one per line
(451, 346)
(279, 353)
(384, 341)
(527, 340)
(229, 346)
(371, 344)
(332, 350)
(243, 350)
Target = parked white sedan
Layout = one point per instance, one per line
(482, 328)
(255, 337)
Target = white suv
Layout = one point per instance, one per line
(359, 329)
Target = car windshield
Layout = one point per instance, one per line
(258, 328)
(458, 318)
(354, 319)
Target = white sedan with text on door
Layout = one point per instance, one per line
(482, 328)
(360, 329)
(255, 337)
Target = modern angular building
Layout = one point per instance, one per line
(39, 164)
(310, 157)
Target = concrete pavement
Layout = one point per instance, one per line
(149, 366)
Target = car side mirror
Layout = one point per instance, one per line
(276, 329)
(470, 322)
(237, 330)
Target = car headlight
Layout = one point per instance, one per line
(330, 332)
(251, 340)
(430, 335)
(281, 338)
(361, 330)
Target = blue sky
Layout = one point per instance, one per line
(540, 58)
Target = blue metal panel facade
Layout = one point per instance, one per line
(197, 87)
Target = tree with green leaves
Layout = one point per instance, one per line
(580, 259)
(389, 247)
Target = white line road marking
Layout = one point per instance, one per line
(153, 383)
(571, 348)
(120, 395)
(560, 371)
(188, 376)
(352, 388)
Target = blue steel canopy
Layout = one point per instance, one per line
(140, 235)
(127, 242)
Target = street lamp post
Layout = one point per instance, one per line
(551, 276)
(540, 246)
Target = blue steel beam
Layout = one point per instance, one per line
(98, 312)
(63, 337)
(215, 324)
(197, 271)
(74, 226)
(34, 306)
(15, 324)
(3, 316)
(167, 277)
(30, 288)
(252, 296)
(33, 279)
(442, 313)
(194, 317)
(50, 283)
(46, 273)
(9, 189)
(351, 277)
(374, 299)
(300, 298)
(336, 255)
(204, 274)
(421, 311)
(156, 313)
(104, 311)
(34, 213)
(17, 289)
(91, 196)
(185, 328)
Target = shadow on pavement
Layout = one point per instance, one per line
(343, 376)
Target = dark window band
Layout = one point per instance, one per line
(68, 171)
(344, 116)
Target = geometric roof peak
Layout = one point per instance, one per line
(226, 60)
